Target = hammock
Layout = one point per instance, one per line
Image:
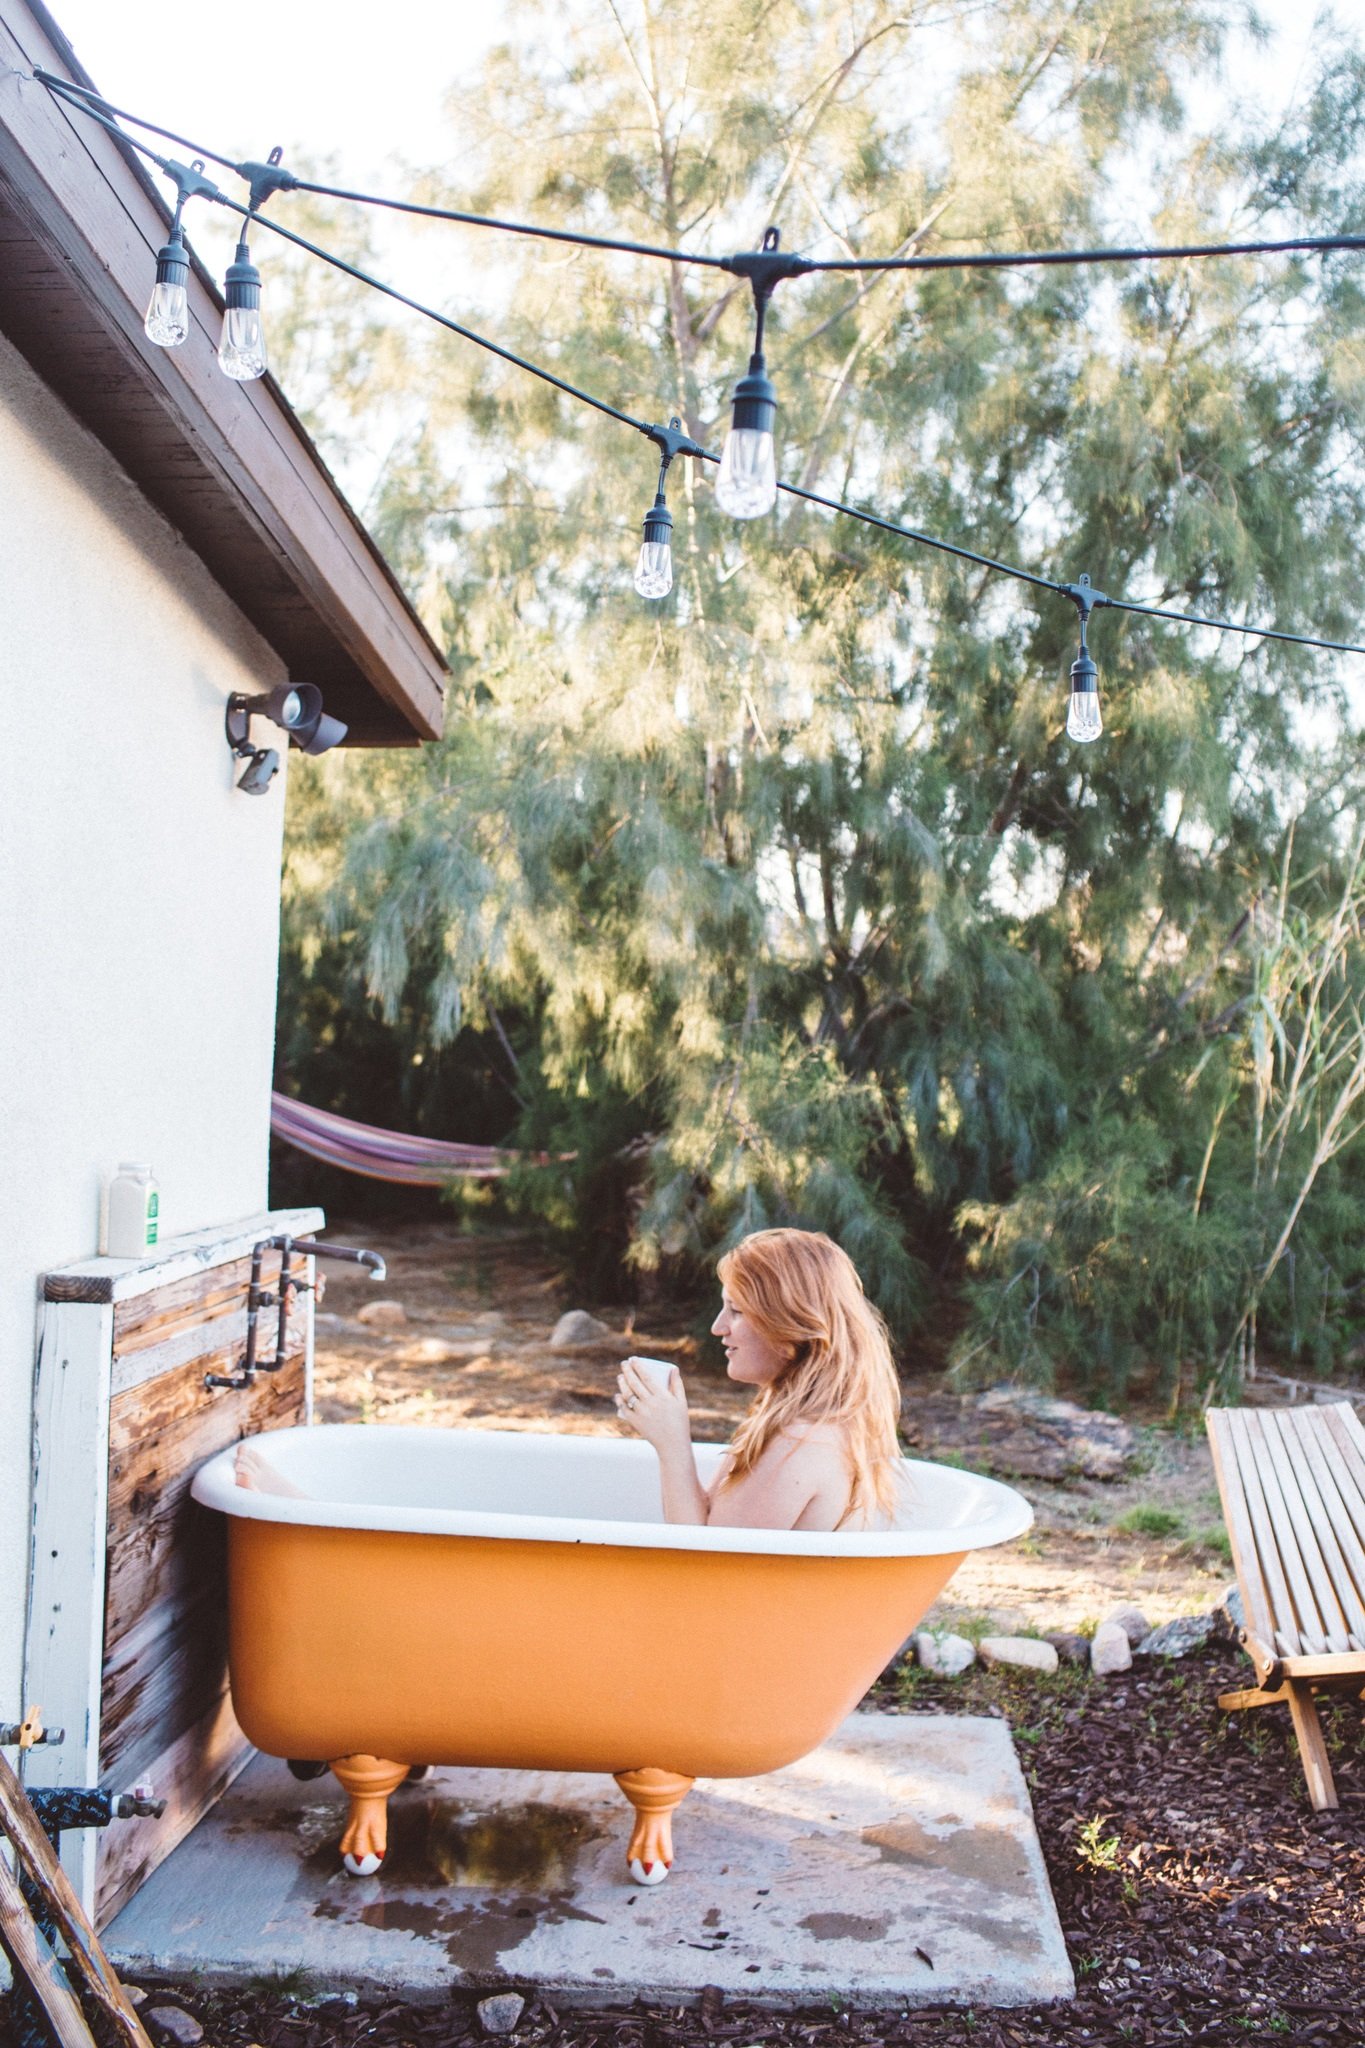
(383, 1155)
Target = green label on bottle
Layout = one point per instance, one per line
(153, 1209)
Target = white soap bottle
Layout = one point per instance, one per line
(133, 1213)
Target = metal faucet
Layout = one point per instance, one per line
(259, 1297)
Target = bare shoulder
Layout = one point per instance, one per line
(810, 1439)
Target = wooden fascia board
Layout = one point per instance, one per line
(94, 215)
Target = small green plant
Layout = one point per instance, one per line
(1214, 1538)
(295, 1982)
(1098, 1851)
(1148, 1520)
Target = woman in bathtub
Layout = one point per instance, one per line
(817, 1449)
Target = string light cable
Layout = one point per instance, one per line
(747, 484)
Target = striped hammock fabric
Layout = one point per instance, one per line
(383, 1155)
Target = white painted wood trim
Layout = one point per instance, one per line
(65, 1644)
(118, 1280)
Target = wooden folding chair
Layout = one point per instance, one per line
(1292, 1482)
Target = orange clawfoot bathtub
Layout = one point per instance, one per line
(515, 1600)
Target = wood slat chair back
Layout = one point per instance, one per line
(1292, 1482)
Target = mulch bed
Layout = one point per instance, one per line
(1201, 1897)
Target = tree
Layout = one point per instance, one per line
(794, 875)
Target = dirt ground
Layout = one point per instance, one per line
(474, 1350)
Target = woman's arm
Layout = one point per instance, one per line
(659, 1415)
(800, 1482)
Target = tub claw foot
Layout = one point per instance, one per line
(368, 1781)
(653, 1794)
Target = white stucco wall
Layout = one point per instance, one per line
(139, 892)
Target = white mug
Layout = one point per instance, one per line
(656, 1369)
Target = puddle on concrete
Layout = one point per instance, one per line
(1015, 1938)
(846, 1926)
(436, 1843)
(990, 1856)
(477, 1938)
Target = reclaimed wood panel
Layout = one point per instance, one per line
(165, 1713)
(190, 1774)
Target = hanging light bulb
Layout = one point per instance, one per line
(654, 564)
(168, 310)
(746, 484)
(1083, 721)
(241, 352)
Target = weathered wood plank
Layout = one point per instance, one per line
(163, 1546)
(147, 1319)
(161, 1679)
(32, 1959)
(66, 1602)
(1285, 1633)
(1312, 1629)
(1343, 1552)
(1308, 1519)
(1237, 1516)
(190, 1774)
(193, 1252)
(1317, 1768)
(41, 1867)
(186, 1423)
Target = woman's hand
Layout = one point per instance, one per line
(658, 1414)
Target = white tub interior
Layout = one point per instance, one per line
(559, 1488)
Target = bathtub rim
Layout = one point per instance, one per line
(1009, 1513)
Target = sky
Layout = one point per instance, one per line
(366, 83)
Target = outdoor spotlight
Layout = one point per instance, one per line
(296, 707)
(259, 773)
(241, 352)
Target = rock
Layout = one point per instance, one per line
(499, 2014)
(439, 1351)
(577, 1327)
(1110, 1650)
(382, 1315)
(169, 2023)
(135, 1994)
(946, 1655)
(1230, 1615)
(1022, 1653)
(1070, 1649)
(1177, 1638)
(1039, 1437)
(1132, 1621)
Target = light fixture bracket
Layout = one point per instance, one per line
(767, 267)
(671, 441)
(266, 179)
(1086, 600)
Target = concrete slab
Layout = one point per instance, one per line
(898, 1865)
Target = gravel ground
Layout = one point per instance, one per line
(1201, 1898)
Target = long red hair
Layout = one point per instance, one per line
(802, 1294)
